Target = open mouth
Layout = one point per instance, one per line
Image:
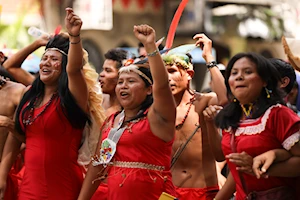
(123, 94)
(46, 71)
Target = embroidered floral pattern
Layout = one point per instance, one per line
(291, 141)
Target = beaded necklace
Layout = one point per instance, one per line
(178, 126)
(29, 119)
(247, 110)
(2, 82)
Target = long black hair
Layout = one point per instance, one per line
(75, 115)
(232, 112)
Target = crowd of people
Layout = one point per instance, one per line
(146, 134)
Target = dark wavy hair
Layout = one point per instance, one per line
(75, 115)
(232, 112)
(117, 55)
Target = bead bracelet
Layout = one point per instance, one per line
(153, 53)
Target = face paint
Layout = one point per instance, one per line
(177, 78)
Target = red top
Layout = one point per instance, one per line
(277, 128)
(51, 168)
(139, 144)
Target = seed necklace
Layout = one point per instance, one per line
(29, 119)
(178, 126)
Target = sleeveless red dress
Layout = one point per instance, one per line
(141, 167)
(51, 168)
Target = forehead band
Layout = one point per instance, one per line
(56, 49)
(134, 68)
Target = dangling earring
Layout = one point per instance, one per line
(268, 93)
(234, 99)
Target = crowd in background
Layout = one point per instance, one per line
(138, 130)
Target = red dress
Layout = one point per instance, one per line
(277, 128)
(138, 163)
(14, 178)
(51, 168)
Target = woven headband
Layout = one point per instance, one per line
(134, 68)
(56, 49)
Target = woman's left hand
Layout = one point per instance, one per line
(73, 22)
(145, 34)
(243, 161)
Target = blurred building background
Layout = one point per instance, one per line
(233, 25)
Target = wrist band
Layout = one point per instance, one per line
(74, 35)
(211, 64)
(153, 53)
(76, 42)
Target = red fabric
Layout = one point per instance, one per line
(126, 3)
(101, 193)
(157, 3)
(51, 168)
(139, 144)
(11, 188)
(267, 132)
(141, 3)
(207, 193)
(14, 179)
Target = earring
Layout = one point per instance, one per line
(268, 93)
(234, 99)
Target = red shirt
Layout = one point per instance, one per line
(277, 128)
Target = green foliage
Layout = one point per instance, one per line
(14, 36)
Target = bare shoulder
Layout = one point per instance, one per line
(16, 91)
(202, 100)
(16, 88)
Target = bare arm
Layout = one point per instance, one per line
(89, 185)
(14, 62)
(77, 84)
(278, 162)
(221, 177)
(227, 190)
(218, 82)
(163, 110)
(10, 152)
(288, 168)
(213, 132)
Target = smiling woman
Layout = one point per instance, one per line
(51, 117)
(254, 122)
(50, 66)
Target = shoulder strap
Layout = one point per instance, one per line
(181, 148)
(233, 148)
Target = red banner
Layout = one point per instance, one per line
(156, 4)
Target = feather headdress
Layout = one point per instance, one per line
(291, 49)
